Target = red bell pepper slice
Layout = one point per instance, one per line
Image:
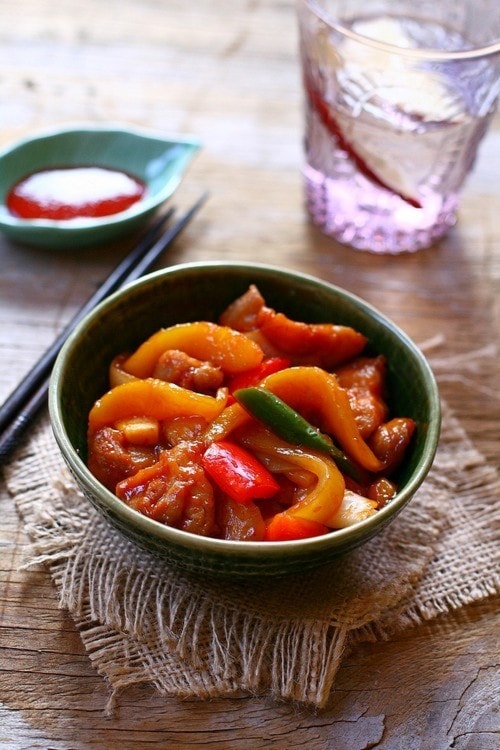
(284, 528)
(237, 472)
(256, 374)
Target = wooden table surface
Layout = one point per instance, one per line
(226, 71)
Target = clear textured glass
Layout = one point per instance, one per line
(398, 96)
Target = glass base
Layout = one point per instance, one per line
(366, 217)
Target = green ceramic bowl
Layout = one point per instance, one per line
(157, 160)
(200, 292)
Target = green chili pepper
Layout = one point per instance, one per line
(285, 422)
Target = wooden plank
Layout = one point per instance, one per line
(227, 72)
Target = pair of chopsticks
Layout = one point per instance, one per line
(24, 403)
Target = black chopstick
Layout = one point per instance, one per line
(16, 400)
(27, 399)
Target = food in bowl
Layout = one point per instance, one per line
(257, 427)
(201, 292)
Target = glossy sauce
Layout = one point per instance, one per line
(73, 192)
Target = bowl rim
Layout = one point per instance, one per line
(81, 224)
(245, 549)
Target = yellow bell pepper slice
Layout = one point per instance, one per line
(323, 500)
(229, 419)
(224, 347)
(153, 398)
(314, 389)
(322, 503)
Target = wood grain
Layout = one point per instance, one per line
(227, 72)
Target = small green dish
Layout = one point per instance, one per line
(201, 291)
(159, 161)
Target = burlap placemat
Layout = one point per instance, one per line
(142, 622)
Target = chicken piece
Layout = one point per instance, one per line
(174, 491)
(364, 381)
(111, 458)
(242, 314)
(183, 429)
(178, 367)
(323, 344)
(318, 344)
(382, 491)
(240, 521)
(390, 441)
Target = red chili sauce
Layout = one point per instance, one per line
(72, 192)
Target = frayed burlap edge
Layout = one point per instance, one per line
(163, 629)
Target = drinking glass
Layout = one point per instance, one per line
(398, 95)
